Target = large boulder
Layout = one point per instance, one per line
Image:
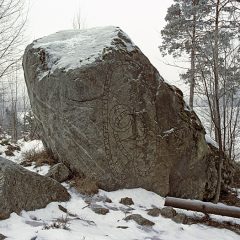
(21, 189)
(106, 113)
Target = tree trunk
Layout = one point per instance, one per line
(193, 52)
(217, 120)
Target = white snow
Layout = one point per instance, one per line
(35, 145)
(87, 225)
(25, 147)
(211, 141)
(167, 132)
(71, 49)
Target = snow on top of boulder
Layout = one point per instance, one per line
(71, 49)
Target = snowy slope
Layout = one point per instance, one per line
(82, 223)
(91, 226)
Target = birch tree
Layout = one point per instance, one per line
(12, 22)
(13, 15)
(219, 64)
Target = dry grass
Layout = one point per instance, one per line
(59, 223)
(85, 186)
(230, 198)
(39, 158)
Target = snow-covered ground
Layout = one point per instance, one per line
(35, 145)
(81, 223)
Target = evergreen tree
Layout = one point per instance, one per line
(210, 36)
(182, 34)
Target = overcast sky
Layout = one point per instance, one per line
(142, 20)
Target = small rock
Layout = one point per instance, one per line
(191, 221)
(63, 209)
(13, 148)
(126, 210)
(100, 210)
(180, 218)
(108, 200)
(2, 237)
(154, 212)
(26, 164)
(122, 227)
(59, 172)
(126, 201)
(139, 220)
(96, 198)
(9, 153)
(168, 212)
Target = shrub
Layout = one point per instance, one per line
(39, 158)
(59, 223)
(4, 142)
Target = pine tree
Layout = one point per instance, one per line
(211, 38)
(182, 34)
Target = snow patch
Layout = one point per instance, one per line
(167, 132)
(71, 49)
(86, 224)
(209, 140)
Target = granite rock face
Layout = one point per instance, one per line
(21, 189)
(107, 114)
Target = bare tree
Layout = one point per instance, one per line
(78, 20)
(12, 22)
(13, 16)
(218, 65)
(216, 93)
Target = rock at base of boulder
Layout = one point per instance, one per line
(85, 186)
(168, 212)
(21, 189)
(154, 212)
(180, 218)
(139, 220)
(59, 172)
